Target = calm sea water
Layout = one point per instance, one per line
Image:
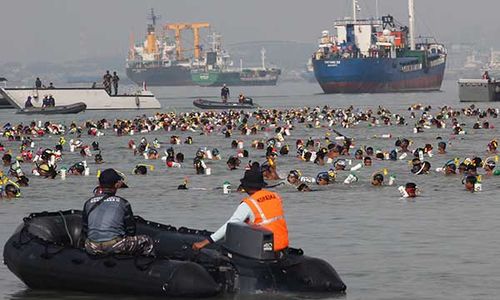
(444, 245)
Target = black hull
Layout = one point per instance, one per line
(4, 103)
(206, 104)
(66, 109)
(44, 255)
(161, 76)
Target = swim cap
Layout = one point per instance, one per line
(322, 176)
(378, 177)
(140, 170)
(340, 162)
(13, 189)
(294, 173)
(393, 155)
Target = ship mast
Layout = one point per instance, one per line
(263, 58)
(411, 23)
(354, 10)
(153, 17)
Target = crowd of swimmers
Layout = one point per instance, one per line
(338, 158)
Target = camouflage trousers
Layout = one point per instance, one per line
(131, 245)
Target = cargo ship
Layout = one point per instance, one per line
(159, 61)
(376, 56)
(308, 73)
(218, 69)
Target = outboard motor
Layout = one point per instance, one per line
(250, 241)
(260, 268)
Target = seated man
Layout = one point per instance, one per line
(108, 222)
(28, 103)
(261, 207)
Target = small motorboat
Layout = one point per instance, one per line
(63, 109)
(46, 252)
(207, 104)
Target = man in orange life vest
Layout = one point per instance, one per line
(261, 207)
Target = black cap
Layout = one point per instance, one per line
(253, 179)
(109, 177)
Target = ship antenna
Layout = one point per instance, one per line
(153, 17)
(355, 10)
(411, 23)
(354, 4)
(263, 57)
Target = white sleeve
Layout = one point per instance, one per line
(240, 215)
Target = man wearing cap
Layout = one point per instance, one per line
(224, 93)
(261, 207)
(108, 222)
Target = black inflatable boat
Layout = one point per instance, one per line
(63, 109)
(45, 253)
(207, 104)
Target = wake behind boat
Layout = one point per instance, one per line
(207, 104)
(63, 109)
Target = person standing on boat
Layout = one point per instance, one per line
(106, 82)
(108, 222)
(224, 93)
(38, 83)
(261, 207)
(486, 76)
(115, 80)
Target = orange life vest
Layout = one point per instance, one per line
(267, 208)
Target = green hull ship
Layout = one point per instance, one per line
(246, 77)
(217, 70)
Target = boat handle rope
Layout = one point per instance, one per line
(66, 227)
(17, 244)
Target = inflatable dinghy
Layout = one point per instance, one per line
(45, 253)
(62, 109)
(207, 104)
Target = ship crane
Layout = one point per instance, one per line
(178, 28)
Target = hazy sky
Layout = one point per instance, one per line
(62, 30)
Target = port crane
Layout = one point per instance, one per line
(178, 28)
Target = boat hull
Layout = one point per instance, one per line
(478, 90)
(206, 104)
(216, 78)
(46, 253)
(97, 99)
(160, 76)
(376, 75)
(67, 109)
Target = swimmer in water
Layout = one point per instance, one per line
(377, 179)
(294, 178)
(140, 170)
(233, 163)
(441, 147)
(471, 183)
(339, 164)
(11, 190)
(367, 161)
(410, 190)
(98, 158)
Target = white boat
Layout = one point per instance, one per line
(3, 102)
(94, 98)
